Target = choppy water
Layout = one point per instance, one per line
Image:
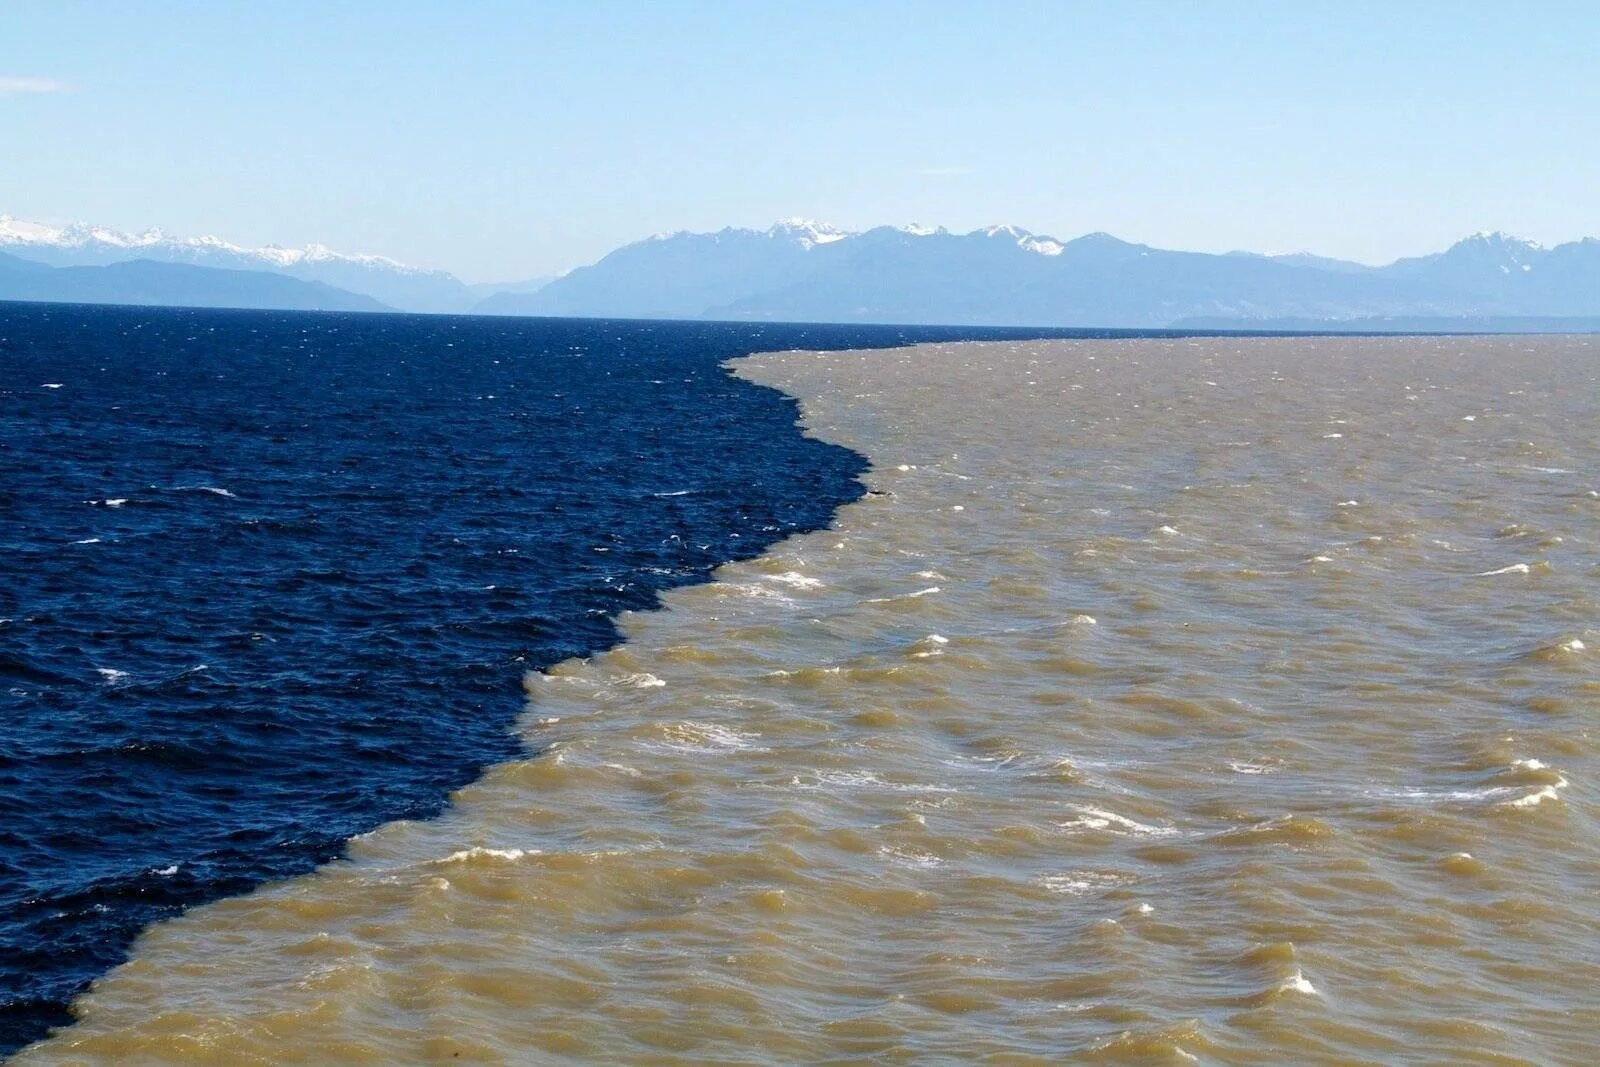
(268, 580)
(1218, 700)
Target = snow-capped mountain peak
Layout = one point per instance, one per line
(84, 244)
(18, 234)
(1036, 243)
(18, 231)
(808, 231)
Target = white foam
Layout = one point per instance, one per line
(820, 779)
(904, 596)
(1515, 568)
(88, 541)
(704, 738)
(1079, 883)
(1241, 767)
(1549, 792)
(111, 675)
(480, 852)
(51, 385)
(1298, 983)
(1100, 819)
(642, 680)
(796, 580)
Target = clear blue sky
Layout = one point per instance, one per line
(509, 139)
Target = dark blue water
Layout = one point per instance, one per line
(269, 579)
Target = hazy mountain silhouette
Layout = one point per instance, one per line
(383, 279)
(172, 284)
(801, 270)
(1003, 275)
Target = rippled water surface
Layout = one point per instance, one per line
(268, 580)
(1166, 700)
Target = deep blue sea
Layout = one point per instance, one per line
(269, 579)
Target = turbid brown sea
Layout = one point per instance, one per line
(1220, 700)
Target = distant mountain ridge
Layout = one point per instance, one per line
(383, 279)
(1003, 275)
(801, 270)
(148, 282)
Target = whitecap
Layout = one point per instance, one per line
(1079, 883)
(1549, 792)
(904, 596)
(1241, 767)
(642, 680)
(1515, 568)
(796, 580)
(1100, 819)
(820, 779)
(466, 855)
(1298, 983)
(704, 738)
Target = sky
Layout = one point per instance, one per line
(509, 140)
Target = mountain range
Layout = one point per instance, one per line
(1002, 275)
(392, 285)
(143, 281)
(799, 270)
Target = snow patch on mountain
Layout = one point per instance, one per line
(15, 231)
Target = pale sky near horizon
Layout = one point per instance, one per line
(504, 140)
